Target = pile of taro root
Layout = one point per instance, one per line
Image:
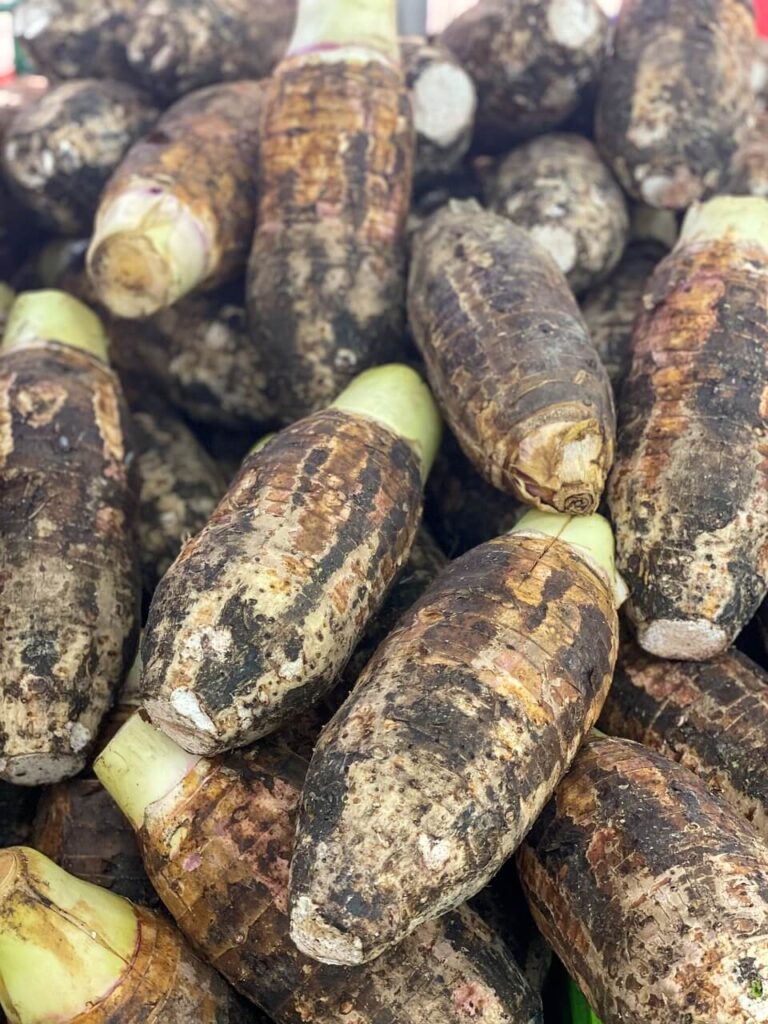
(384, 514)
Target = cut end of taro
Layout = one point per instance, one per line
(444, 101)
(182, 718)
(682, 639)
(317, 938)
(147, 252)
(51, 315)
(44, 769)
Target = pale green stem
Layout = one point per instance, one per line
(397, 397)
(141, 765)
(360, 24)
(51, 315)
(591, 535)
(736, 218)
(64, 943)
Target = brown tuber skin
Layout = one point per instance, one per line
(59, 152)
(675, 97)
(326, 280)
(529, 60)
(712, 717)
(652, 892)
(75, 38)
(200, 158)
(69, 586)
(509, 359)
(264, 607)
(180, 45)
(561, 192)
(444, 99)
(461, 508)
(450, 744)
(688, 492)
(748, 173)
(217, 848)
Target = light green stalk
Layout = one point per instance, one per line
(64, 943)
(141, 765)
(51, 315)
(360, 24)
(591, 535)
(396, 396)
(738, 218)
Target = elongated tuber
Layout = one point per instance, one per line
(326, 281)
(217, 839)
(454, 737)
(688, 493)
(263, 608)
(178, 213)
(653, 892)
(69, 584)
(510, 360)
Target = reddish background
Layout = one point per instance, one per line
(761, 9)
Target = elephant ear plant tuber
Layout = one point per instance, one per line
(69, 585)
(217, 837)
(264, 606)
(73, 953)
(509, 359)
(327, 272)
(688, 494)
(454, 737)
(178, 213)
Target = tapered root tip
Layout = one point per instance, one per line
(182, 718)
(682, 639)
(131, 276)
(40, 769)
(315, 937)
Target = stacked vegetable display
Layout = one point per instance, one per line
(269, 749)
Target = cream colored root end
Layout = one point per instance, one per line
(359, 24)
(52, 315)
(736, 218)
(444, 101)
(41, 769)
(147, 251)
(316, 938)
(590, 535)
(682, 639)
(64, 943)
(141, 765)
(396, 396)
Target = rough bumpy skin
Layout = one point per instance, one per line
(675, 96)
(748, 173)
(179, 486)
(263, 608)
(79, 826)
(611, 308)
(529, 60)
(180, 45)
(326, 281)
(561, 192)
(17, 812)
(460, 507)
(444, 101)
(652, 892)
(712, 717)
(69, 584)
(74, 38)
(218, 848)
(204, 151)
(451, 742)
(688, 494)
(510, 360)
(59, 152)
